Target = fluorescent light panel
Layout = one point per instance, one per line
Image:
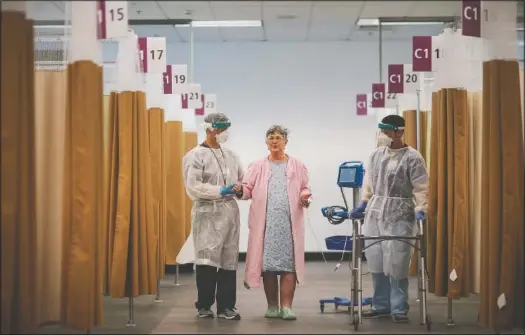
(224, 24)
(375, 22)
(196, 24)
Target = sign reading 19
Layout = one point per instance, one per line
(179, 79)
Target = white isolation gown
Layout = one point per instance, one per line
(396, 186)
(214, 219)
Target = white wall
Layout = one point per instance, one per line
(309, 88)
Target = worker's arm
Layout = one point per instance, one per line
(193, 168)
(368, 188)
(419, 181)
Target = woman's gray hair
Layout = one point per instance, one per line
(279, 130)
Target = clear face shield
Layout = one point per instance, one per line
(382, 139)
(223, 126)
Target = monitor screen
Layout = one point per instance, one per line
(347, 175)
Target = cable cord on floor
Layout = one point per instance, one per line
(315, 235)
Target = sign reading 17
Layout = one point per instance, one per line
(152, 53)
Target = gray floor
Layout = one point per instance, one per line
(176, 313)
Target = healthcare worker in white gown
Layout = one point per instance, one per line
(212, 176)
(395, 192)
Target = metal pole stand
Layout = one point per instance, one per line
(418, 126)
(176, 283)
(131, 321)
(157, 297)
(450, 320)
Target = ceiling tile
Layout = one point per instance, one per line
(242, 12)
(338, 3)
(292, 30)
(287, 3)
(145, 10)
(407, 32)
(157, 31)
(327, 14)
(251, 34)
(436, 8)
(230, 4)
(335, 31)
(273, 12)
(375, 9)
(61, 4)
(208, 34)
(44, 10)
(364, 35)
(201, 10)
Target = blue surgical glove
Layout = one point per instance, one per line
(359, 211)
(420, 215)
(225, 190)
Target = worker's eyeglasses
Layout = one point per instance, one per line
(276, 138)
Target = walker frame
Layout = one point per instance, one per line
(419, 244)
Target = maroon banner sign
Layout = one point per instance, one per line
(422, 54)
(200, 111)
(167, 80)
(143, 52)
(378, 95)
(395, 78)
(471, 18)
(360, 104)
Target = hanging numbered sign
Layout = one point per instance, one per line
(194, 96)
(391, 100)
(210, 103)
(179, 75)
(112, 19)
(152, 54)
(411, 79)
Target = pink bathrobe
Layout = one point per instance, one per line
(255, 187)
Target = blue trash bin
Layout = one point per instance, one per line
(339, 242)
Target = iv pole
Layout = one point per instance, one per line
(190, 79)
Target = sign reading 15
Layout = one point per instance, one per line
(116, 14)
